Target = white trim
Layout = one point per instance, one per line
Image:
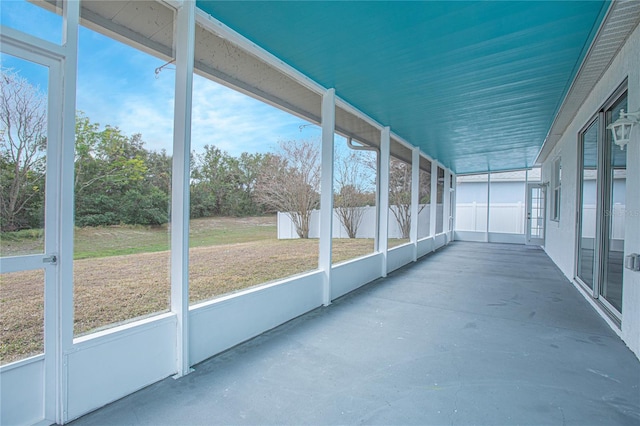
(65, 305)
(346, 106)
(597, 307)
(58, 288)
(326, 194)
(556, 185)
(221, 30)
(454, 180)
(115, 333)
(383, 197)
(29, 262)
(488, 205)
(401, 141)
(602, 299)
(28, 43)
(185, 48)
(21, 363)
(539, 241)
(415, 199)
(248, 292)
(446, 203)
(174, 4)
(433, 214)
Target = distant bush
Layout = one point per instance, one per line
(24, 234)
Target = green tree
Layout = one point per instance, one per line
(250, 166)
(116, 179)
(159, 170)
(224, 185)
(212, 181)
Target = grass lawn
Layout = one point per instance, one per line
(127, 239)
(122, 273)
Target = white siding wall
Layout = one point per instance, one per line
(560, 237)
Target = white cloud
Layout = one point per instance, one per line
(117, 87)
(222, 117)
(237, 123)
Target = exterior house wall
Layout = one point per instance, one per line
(561, 235)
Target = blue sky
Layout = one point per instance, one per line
(117, 85)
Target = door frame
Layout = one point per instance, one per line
(535, 240)
(31, 49)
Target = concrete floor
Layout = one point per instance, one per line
(473, 334)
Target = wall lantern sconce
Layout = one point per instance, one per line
(622, 127)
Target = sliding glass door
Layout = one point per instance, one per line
(587, 204)
(614, 213)
(601, 208)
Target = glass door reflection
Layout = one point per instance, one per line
(587, 211)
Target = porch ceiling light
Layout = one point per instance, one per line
(622, 127)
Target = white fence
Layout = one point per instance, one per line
(506, 218)
(509, 218)
(367, 229)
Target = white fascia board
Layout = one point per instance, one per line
(221, 30)
(402, 141)
(250, 91)
(408, 145)
(174, 4)
(346, 106)
(428, 157)
(125, 35)
(422, 153)
(609, 25)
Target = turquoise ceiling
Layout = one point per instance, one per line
(476, 85)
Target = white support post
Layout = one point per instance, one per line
(454, 181)
(383, 199)
(326, 194)
(415, 199)
(524, 221)
(56, 377)
(446, 204)
(434, 198)
(488, 204)
(185, 46)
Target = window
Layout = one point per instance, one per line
(241, 232)
(556, 185)
(399, 201)
(440, 202)
(424, 198)
(122, 190)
